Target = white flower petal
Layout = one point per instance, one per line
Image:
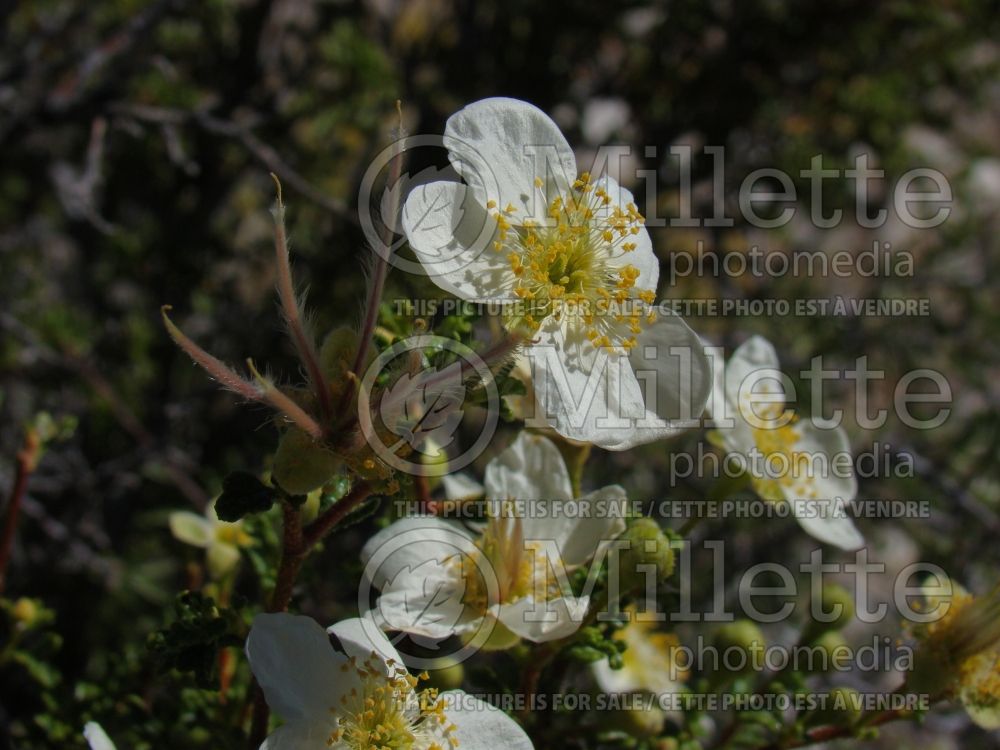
(481, 726)
(452, 237)
(585, 530)
(432, 608)
(409, 543)
(222, 558)
(583, 393)
(360, 637)
(191, 528)
(544, 621)
(675, 376)
(827, 524)
(642, 257)
(501, 145)
(295, 665)
(461, 487)
(753, 366)
(615, 680)
(96, 737)
(531, 468)
(301, 735)
(829, 452)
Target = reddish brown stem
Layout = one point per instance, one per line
(304, 344)
(296, 545)
(27, 458)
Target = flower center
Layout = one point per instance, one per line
(522, 567)
(650, 654)
(386, 712)
(232, 533)
(784, 471)
(572, 268)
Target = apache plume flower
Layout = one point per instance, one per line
(959, 652)
(362, 697)
(220, 540)
(569, 259)
(504, 582)
(648, 664)
(788, 460)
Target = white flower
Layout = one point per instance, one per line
(648, 664)
(571, 261)
(806, 463)
(361, 697)
(959, 651)
(96, 737)
(220, 540)
(508, 581)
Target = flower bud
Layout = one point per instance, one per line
(833, 601)
(448, 677)
(302, 464)
(646, 556)
(830, 652)
(745, 645)
(25, 611)
(842, 708)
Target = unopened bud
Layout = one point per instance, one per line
(448, 677)
(302, 464)
(843, 707)
(740, 646)
(25, 611)
(646, 556)
(835, 605)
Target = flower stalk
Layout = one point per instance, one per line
(27, 460)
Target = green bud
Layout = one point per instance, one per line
(640, 723)
(833, 601)
(501, 638)
(842, 709)
(336, 355)
(742, 636)
(25, 611)
(446, 678)
(830, 649)
(647, 554)
(302, 464)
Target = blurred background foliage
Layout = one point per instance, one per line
(136, 140)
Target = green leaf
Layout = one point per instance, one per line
(192, 642)
(243, 494)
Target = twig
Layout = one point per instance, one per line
(265, 154)
(380, 269)
(296, 545)
(27, 459)
(290, 307)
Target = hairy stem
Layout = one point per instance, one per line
(291, 309)
(27, 459)
(380, 269)
(213, 366)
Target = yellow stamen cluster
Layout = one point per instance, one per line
(572, 268)
(232, 533)
(787, 472)
(966, 639)
(522, 567)
(650, 654)
(387, 712)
